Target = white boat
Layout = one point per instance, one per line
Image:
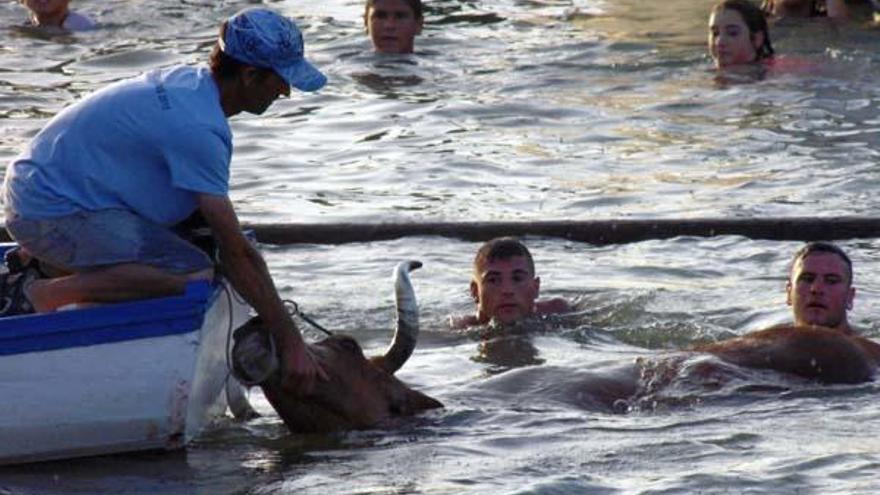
(140, 375)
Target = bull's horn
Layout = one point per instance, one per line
(407, 332)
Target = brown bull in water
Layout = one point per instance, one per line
(359, 393)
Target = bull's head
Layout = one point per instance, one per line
(359, 393)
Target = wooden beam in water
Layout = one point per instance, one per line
(591, 231)
(597, 232)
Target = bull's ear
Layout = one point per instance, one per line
(414, 402)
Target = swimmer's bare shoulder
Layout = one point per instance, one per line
(459, 322)
(822, 354)
(552, 306)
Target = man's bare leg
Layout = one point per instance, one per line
(117, 283)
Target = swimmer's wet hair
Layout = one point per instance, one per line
(823, 247)
(502, 248)
(414, 5)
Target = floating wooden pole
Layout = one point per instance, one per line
(589, 231)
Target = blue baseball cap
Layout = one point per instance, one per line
(265, 39)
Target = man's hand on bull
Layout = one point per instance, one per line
(299, 368)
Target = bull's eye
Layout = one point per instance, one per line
(349, 344)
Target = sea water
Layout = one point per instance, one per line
(519, 110)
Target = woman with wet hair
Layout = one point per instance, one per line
(738, 34)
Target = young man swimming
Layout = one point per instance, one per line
(820, 344)
(819, 289)
(504, 286)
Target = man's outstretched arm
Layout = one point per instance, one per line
(243, 264)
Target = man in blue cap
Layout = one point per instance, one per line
(95, 195)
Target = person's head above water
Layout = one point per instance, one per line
(738, 34)
(393, 24)
(819, 289)
(47, 12)
(56, 14)
(504, 285)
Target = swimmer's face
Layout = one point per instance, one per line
(820, 291)
(504, 290)
(730, 41)
(392, 26)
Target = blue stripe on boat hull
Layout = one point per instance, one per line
(108, 323)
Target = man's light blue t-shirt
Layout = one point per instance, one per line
(147, 144)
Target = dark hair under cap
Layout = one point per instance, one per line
(225, 67)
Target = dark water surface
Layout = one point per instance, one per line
(529, 110)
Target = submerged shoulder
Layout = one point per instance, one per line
(823, 354)
(459, 322)
(553, 306)
(778, 65)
